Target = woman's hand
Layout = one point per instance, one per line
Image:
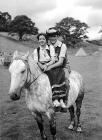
(40, 65)
(45, 67)
(49, 68)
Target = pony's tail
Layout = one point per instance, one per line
(83, 89)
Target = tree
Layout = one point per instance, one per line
(22, 25)
(5, 19)
(100, 32)
(72, 30)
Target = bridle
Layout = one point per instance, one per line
(29, 80)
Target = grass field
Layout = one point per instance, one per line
(16, 122)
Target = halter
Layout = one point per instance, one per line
(28, 83)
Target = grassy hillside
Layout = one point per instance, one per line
(10, 44)
(88, 47)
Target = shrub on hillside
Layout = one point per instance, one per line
(95, 42)
(7, 60)
(81, 45)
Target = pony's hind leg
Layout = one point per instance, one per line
(40, 125)
(72, 117)
(53, 126)
(78, 111)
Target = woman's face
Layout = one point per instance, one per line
(42, 40)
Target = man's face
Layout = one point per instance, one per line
(53, 39)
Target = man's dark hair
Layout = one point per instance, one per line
(52, 33)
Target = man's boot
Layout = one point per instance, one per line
(63, 105)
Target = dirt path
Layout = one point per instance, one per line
(16, 122)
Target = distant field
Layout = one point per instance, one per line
(8, 43)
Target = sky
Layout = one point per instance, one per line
(46, 13)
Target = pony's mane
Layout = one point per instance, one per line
(20, 55)
(28, 58)
(34, 68)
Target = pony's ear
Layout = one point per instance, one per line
(15, 54)
(25, 57)
(27, 54)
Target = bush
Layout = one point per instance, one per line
(7, 60)
(95, 42)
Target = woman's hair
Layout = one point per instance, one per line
(42, 34)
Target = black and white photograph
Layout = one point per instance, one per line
(50, 69)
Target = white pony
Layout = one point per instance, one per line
(39, 93)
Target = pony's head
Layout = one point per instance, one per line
(18, 71)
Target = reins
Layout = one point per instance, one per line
(29, 83)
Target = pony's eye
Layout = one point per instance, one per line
(22, 71)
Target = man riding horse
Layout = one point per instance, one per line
(61, 58)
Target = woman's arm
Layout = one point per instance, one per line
(35, 55)
(52, 54)
(40, 65)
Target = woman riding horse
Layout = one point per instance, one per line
(44, 54)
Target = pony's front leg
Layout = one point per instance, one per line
(53, 126)
(72, 118)
(78, 111)
(40, 125)
(52, 121)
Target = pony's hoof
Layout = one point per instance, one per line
(71, 127)
(79, 129)
(54, 138)
(44, 138)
